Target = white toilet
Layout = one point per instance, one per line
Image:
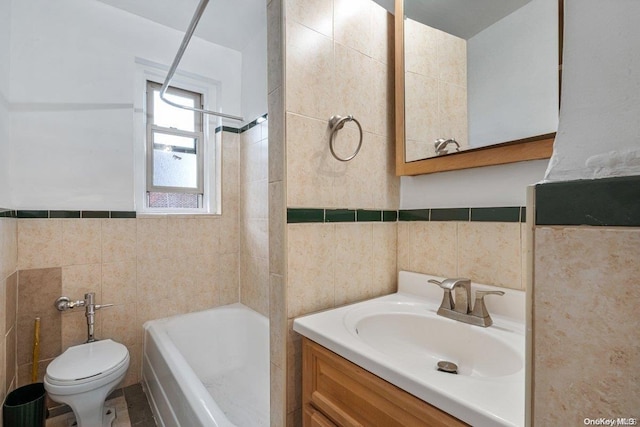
(84, 375)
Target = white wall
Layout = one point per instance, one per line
(599, 131)
(503, 185)
(72, 96)
(5, 35)
(513, 76)
(254, 75)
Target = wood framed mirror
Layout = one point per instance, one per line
(500, 150)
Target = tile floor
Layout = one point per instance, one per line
(130, 404)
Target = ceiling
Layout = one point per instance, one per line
(463, 18)
(229, 23)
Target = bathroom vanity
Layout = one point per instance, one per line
(379, 362)
(335, 389)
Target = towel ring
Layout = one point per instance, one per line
(336, 123)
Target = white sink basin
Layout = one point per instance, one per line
(416, 335)
(400, 338)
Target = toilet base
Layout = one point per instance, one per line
(108, 417)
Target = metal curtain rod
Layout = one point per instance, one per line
(185, 42)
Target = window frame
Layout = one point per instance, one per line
(197, 135)
(211, 90)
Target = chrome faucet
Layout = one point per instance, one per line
(64, 304)
(462, 311)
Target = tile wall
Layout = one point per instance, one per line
(585, 298)
(150, 267)
(436, 89)
(254, 218)
(8, 304)
(337, 60)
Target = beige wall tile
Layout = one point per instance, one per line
(385, 250)
(381, 98)
(491, 253)
(277, 320)
(277, 396)
(37, 291)
(134, 373)
(310, 167)
(452, 59)
(77, 280)
(353, 262)
(39, 243)
(154, 278)
(118, 240)
(10, 302)
(181, 235)
(10, 359)
(452, 113)
(353, 82)
(586, 345)
(315, 14)
(310, 268)
(382, 36)
(276, 145)
(433, 248)
(421, 49)
(3, 370)
(119, 282)
(50, 337)
(227, 279)
(352, 21)
(81, 241)
(151, 238)
(8, 246)
(254, 284)
(277, 221)
(119, 323)
(275, 41)
(404, 246)
(74, 329)
(421, 108)
(386, 184)
(294, 370)
(353, 185)
(24, 372)
(309, 72)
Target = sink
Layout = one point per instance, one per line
(415, 335)
(400, 338)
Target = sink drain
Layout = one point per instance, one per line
(448, 367)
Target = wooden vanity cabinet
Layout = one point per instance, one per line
(336, 392)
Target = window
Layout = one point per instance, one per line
(175, 150)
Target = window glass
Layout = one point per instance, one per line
(168, 116)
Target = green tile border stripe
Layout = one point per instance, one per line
(244, 128)
(484, 214)
(63, 214)
(506, 214)
(8, 213)
(613, 202)
(339, 215)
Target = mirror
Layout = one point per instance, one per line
(477, 82)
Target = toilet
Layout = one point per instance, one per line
(84, 375)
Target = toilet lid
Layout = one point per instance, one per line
(87, 360)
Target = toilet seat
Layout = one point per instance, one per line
(88, 363)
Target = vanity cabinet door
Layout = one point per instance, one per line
(313, 418)
(350, 396)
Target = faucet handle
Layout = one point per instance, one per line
(447, 301)
(479, 308)
(99, 306)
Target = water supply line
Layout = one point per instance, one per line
(176, 61)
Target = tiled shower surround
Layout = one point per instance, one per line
(150, 267)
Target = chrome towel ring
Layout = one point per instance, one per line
(335, 124)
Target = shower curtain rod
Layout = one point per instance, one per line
(185, 42)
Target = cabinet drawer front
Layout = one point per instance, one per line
(313, 418)
(351, 396)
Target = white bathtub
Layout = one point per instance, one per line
(209, 368)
